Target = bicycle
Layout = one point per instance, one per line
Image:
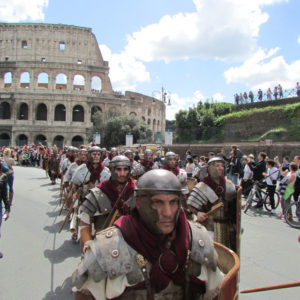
(292, 214)
(256, 196)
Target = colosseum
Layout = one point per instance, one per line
(53, 78)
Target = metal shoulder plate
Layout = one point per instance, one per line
(97, 199)
(202, 246)
(230, 191)
(106, 162)
(201, 195)
(109, 257)
(138, 170)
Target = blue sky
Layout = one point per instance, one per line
(195, 49)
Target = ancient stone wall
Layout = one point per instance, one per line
(52, 79)
(281, 149)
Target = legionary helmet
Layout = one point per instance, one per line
(168, 156)
(148, 154)
(154, 182)
(91, 150)
(216, 159)
(212, 169)
(119, 160)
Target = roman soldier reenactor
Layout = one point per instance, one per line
(211, 190)
(152, 254)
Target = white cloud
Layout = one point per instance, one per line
(125, 70)
(218, 97)
(221, 29)
(264, 70)
(20, 10)
(299, 39)
(182, 103)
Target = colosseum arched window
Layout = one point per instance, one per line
(4, 139)
(149, 122)
(7, 80)
(78, 114)
(132, 113)
(41, 112)
(143, 119)
(4, 111)
(94, 110)
(23, 111)
(96, 84)
(59, 141)
(25, 80)
(154, 123)
(21, 140)
(78, 83)
(60, 113)
(61, 81)
(77, 141)
(43, 80)
(40, 139)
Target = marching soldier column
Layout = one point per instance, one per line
(136, 241)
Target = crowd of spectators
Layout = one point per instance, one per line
(276, 94)
(243, 170)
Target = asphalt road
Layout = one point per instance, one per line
(38, 262)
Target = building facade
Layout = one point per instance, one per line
(52, 79)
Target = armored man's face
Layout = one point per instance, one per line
(216, 169)
(166, 206)
(96, 155)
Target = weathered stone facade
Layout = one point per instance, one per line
(52, 79)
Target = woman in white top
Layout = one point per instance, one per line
(190, 166)
(290, 181)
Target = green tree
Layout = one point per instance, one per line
(113, 127)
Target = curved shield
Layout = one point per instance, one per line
(229, 264)
(81, 175)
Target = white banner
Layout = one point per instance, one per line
(129, 140)
(97, 138)
(168, 137)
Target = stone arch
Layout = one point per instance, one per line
(149, 122)
(7, 78)
(40, 139)
(4, 111)
(59, 141)
(41, 112)
(23, 111)
(96, 84)
(77, 140)
(78, 82)
(153, 125)
(143, 119)
(25, 80)
(132, 113)
(149, 111)
(4, 139)
(60, 113)
(61, 81)
(94, 110)
(43, 80)
(21, 140)
(78, 114)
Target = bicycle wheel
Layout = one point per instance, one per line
(249, 201)
(267, 203)
(292, 215)
(276, 199)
